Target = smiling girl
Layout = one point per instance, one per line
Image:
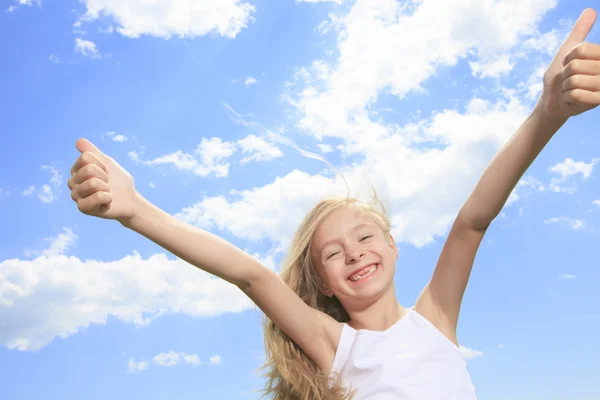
(334, 326)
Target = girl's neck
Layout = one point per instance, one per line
(379, 315)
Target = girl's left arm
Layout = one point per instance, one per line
(571, 86)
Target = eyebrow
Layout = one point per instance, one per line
(357, 227)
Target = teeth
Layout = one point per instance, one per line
(368, 272)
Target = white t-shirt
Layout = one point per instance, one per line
(412, 360)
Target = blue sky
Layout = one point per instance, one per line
(218, 108)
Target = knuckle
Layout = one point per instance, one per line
(93, 184)
(81, 206)
(581, 50)
(574, 96)
(89, 169)
(86, 156)
(573, 67)
(574, 81)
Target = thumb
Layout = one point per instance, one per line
(85, 145)
(580, 31)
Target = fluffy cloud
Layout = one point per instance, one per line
(258, 149)
(167, 18)
(209, 158)
(378, 51)
(70, 294)
(115, 137)
(86, 48)
(272, 211)
(411, 166)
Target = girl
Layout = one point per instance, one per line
(334, 328)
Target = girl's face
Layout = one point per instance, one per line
(354, 257)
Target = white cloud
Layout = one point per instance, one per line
(492, 68)
(116, 137)
(325, 148)
(469, 353)
(573, 223)
(258, 149)
(534, 84)
(29, 191)
(569, 168)
(209, 158)
(137, 365)
(60, 243)
(566, 276)
(166, 359)
(250, 81)
(46, 192)
(86, 48)
(216, 359)
(377, 52)
(170, 359)
(53, 58)
(272, 211)
(56, 178)
(46, 195)
(86, 292)
(13, 8)
(167, 18)
(596, 202)
(546, 43)
(409, 165)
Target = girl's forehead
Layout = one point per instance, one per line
(341, 221)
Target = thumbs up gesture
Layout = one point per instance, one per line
(572, 81)
(100, 186)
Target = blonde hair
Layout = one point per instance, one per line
(292, 375)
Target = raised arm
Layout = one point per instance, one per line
(571, 86)
(102, 188)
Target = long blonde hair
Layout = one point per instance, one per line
(291, 374)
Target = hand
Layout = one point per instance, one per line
(572, 81)
(100, 186)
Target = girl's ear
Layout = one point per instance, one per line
(393, 247)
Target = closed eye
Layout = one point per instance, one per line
(331, 255)
(365, 237)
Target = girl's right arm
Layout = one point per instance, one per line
(315, 332)
(102, 188)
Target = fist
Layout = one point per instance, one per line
(572, 81)
(100, 186)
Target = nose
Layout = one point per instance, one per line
(354, 256)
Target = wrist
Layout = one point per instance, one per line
(547, 113)
(547, 117)
(140, 208)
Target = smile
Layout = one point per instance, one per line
(364, 273)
